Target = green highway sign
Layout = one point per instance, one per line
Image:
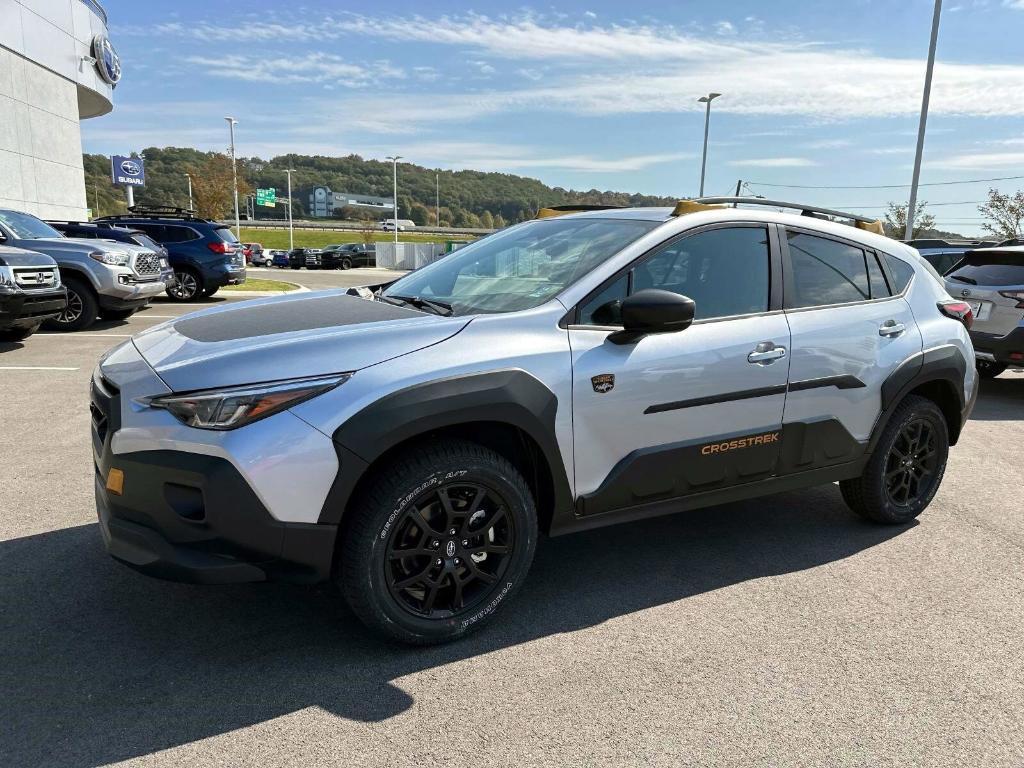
(267, 197)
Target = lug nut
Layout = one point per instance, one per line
(451, 532)
(437, 562)
(457, 561)
(465, 542)
(435, 544)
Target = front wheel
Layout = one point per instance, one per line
(82, 308)
(907, 465)
(988, 369)
(346, 263)
(438, 543)
(187, 286)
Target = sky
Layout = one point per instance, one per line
(824, 94)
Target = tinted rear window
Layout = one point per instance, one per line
(989, 274)
(226, 234)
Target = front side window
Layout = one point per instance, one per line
(825, 272)
(725, 271)
(521, 267)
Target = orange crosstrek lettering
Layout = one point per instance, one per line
(743, 442)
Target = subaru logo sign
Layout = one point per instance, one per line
(108, 63)
(128, 171)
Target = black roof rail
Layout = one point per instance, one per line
(155, 212)
(805, 210)
(937, 242)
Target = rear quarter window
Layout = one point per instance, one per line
(901, 273)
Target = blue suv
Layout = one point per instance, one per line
(204, 254)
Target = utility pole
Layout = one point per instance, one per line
(706, 100)
(191, 205)
(291, 231)
(912, 204)
(437, 198)
(234, 175)
(394, 168)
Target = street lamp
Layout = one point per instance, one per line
(706, 100)
(191, 206)
(437, 198)
(234, 174)
(394, 168)
(291, 232)
(912, 204)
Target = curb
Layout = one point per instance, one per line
(258, 294)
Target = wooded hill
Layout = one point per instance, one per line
(468, 198)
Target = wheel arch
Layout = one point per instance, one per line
(77, 273)
(509, 412)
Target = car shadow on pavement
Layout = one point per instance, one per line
(1000, 399)
(102, 664)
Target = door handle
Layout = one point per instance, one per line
(891, 328)
(766, 353)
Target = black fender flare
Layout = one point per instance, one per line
(944, 363)
(509, 396)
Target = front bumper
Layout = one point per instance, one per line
(27, 308)
(189, 515)
(998, 349)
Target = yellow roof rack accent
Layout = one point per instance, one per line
(875, 226)
(684, 207)
(562, 210)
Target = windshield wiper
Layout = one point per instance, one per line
(437, 307)
(962, 279)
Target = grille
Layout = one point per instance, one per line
(147, 264)
(36, 278)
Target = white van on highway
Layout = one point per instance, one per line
(390, 225)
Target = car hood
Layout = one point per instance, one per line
(78, 245)
(19, 257)
(285, 337)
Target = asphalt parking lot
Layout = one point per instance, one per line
(782, 631)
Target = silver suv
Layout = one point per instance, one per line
(991, 281)
(410, 441)
(104, 278)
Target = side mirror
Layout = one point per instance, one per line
(653, 311)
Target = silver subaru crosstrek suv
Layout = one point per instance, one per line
(410, 441)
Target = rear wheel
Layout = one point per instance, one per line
(905, 470)
(188, 286)
(18, 334)
(988, 369)
(210, 291)
(438, 543)
(116, 314)
(82, 309)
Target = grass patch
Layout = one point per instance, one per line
(315, 238)
(259, 284)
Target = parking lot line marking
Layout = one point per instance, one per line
(33, 368)
(154, 317)
(84, 335)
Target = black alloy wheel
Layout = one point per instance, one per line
(911, 464)
(82, 308)
(186, 286)
(346, 263)
(449, 548)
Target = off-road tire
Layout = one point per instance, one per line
(868, 495)
(375, 517)
(82, 310)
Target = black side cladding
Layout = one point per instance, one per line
(302, 314)
(511, 397)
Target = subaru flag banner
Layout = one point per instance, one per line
(129, 171)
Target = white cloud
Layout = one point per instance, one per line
(310, 68)
(1010, 163)
(1017, 5)
(828, 144)
(774, 162)
(725, 28)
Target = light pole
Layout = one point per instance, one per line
(234, 175)
(191, 206)
(437, 199)
(706, 100)
(394, 168)
(909, 234)
(291, 232)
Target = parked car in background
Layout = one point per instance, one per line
(279, 259)
(348, 255)
(945, 254)
(390, 225)
(304, 257)
(205, 255)
(105, 231)
(103, 278)
(30, 292)
(255, 255)
(991, 281)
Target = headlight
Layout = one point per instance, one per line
(114, 258)
(233, 407)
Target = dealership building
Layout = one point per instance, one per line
(57, 67)
(323, 202)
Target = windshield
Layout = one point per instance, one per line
(521, 267)
(24, 226)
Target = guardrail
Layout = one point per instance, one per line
(97, 9)
(341, 226)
